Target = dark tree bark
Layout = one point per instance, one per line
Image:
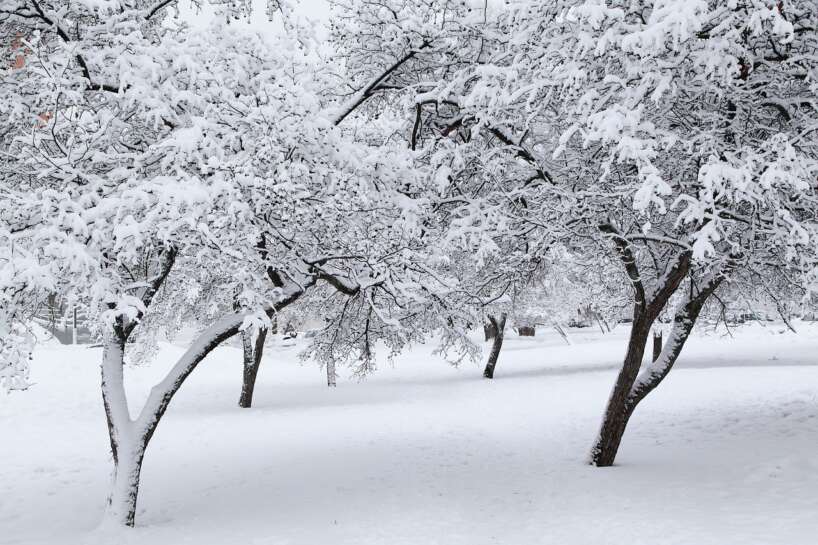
(616, 414)
(645, 313)
(490, 329)
(683, 321)
(526, 331)
(631, 387)
(253, 350)
(499, 326)
(657, 344)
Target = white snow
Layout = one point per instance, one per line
(722, 453)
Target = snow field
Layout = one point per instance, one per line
(424, 453)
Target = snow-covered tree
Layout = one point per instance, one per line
(161, 176)
(671, 136)
(674, 134)
(442, 157)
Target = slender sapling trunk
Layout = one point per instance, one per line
(499, 326)
(253, 349)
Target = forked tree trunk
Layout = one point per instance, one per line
(130, 437)
(499, 327)
(631, 386)
(657, 344)
(645, 311)
(253, 349)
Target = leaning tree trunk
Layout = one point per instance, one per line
(562, 333)
(631, 386)
(645, 311)
(253, 349)
(499, 327)
(130, 437)
(616, 414)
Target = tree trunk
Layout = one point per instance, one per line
(617, 414)
(526, 331)
(121, 508)
(562, 333)
(490, 329)
(127, 449)
(657, 344)
(253, 349)
(645, 313)
(499, 327)
(332, 378)
(130, 438)
(599, 323)
(631, 386)
(74, 330)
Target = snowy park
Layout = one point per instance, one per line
(410, 272)
(423, 452)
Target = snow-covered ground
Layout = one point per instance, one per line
(423, 453)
